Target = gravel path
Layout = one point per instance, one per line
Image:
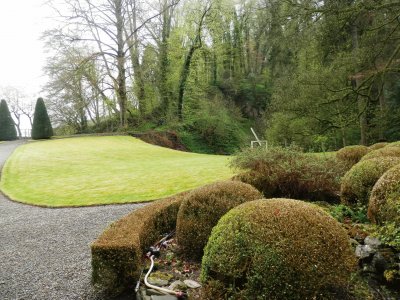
(45, 253)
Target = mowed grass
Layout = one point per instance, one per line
(104, 170)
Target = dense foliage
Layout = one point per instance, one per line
(384, 203)
(351, 155)
(321, 74)
(288, 172)
(277, 249)
(357, 183)
(7, 127)
(201, 210)
(41, 127)
(387, 151)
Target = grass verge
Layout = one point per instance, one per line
(104, 170)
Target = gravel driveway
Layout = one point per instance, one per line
(45, 253)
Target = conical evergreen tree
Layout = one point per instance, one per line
(41, 127)
(7, 126)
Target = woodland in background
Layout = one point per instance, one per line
(320, 74)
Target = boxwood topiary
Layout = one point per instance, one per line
(388, 151)
(377, 146)
(201, 210)
(351, 154)
(117, 253)
(384, 203)
(360, 179)
(277, 249)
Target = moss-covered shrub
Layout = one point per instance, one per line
(377, 146)
(394, 144)
(287, 172)
(117, 253)
(278, 249)
(388, 151)
(360, 179)
(351, 155)
(384, 203)
(201, 210)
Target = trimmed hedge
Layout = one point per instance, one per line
(388, 151)
(357, 184)
(277, 249)
(384, 203)
(377, 146)
(201, 210)
(117, 254)
(287, 172)
(351, 155)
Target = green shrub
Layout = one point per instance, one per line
(218, 125)
(201, 210)
(351, 155)
(7, 127)
(117, 253)
(394, 144)
(377, 146)
(41, 126)
(278, 249)
(287, 172)
(384, 203)
(389, 234)
(358, 182)
(388, 151)
(357, 214)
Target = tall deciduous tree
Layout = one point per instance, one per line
(7, 127)
(41, 128)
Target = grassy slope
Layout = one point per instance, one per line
(103, 170)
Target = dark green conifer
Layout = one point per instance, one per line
(41, 127)
(7, 126)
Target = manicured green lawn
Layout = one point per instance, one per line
(103, 170)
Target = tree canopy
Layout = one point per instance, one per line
(321, 74)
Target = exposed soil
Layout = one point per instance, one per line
(167, 139)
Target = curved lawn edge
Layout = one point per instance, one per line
(96, 171)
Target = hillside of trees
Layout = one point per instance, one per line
(320, 74)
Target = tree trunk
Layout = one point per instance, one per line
(361, 103)
(186, 65)
(121, 78)
(163, 59)
(183, 78)
(137, 68)
(382, 108)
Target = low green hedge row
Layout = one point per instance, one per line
(117, 254)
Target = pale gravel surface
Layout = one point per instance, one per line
(45, 253)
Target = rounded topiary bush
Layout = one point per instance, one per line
(384, 203)
(394, 144)
(360, 179)
(277, 249)
(388, 151)
(351, 154)
(201, 210)
(377, 146)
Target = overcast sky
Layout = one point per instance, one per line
(21, 52)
